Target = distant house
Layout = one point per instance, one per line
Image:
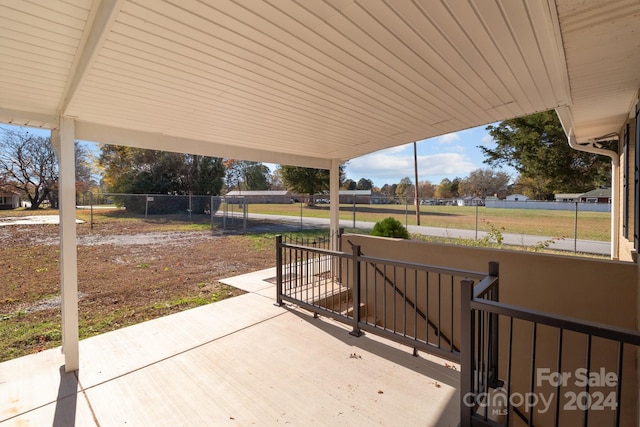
(267, 196)
(516, 198)
(356, 196)
(469, 201)
(567, 197)
(599, 195)
(9, 200)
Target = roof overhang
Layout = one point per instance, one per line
(306, 82)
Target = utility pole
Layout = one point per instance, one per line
(415, 167)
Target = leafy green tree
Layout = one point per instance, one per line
(364, 184)
(389, 190)
(484, 182)
(448, 189)
(349, 184)
(426, 190)
(307, 180)
(129, 170)
(405, 187)
(246, 176)
(536, 146)
(256, 176)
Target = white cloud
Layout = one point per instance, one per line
(384, 168)
(487, 140)
(448, 138)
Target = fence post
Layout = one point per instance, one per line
(467, 329)
(476, 222)
(575, 231)
(356, 332)
(91, 204)
(211, 211)
(406, 212)
(245, 213)
(279, 270)
(354, 211)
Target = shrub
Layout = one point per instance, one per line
(390, 227)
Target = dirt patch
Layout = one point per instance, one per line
(128, 272)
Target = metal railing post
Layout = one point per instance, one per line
(279, 270)
(467, 328)
(91, 204)
(356, 332)
(494, 270)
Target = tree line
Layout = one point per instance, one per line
(535, 146)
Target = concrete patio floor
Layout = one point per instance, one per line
(238, 362)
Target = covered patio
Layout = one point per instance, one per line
(242, 361)
(310, 84)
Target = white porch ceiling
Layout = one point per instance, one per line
(303, 82)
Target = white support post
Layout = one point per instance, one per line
(334, 201)
(63, 143)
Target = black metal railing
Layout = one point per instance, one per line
(517, 366)
(556, 370)
(414, 304)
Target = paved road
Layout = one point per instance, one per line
(570, 245)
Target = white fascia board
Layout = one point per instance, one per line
(27, 118)
(132, 138)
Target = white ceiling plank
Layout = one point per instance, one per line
(330, 79)
(237, 72)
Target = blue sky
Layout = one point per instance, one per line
(446, 156)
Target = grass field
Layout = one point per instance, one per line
(556, 224)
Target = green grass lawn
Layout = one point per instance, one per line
(555, 224)
(590, 225)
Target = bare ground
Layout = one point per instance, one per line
(128, 272)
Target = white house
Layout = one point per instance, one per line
(9, 200)
(517, 198)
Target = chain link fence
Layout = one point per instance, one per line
(579, 228)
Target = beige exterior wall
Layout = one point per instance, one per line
(596, 290)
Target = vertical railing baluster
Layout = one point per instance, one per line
(439, 325)
(556, 422)
(356, 292)
(467, 329)
(494, 270)
(451, 335)
(585, 421)
(533, 368)
(509, 351)
(404, 305)
(384, 297)
(426, 310)
(395, 304)
(618, 401)
(415, 307)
